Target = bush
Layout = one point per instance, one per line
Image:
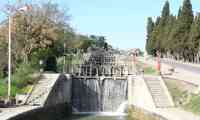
(1, 74)
(21, 80)
(23, 76)
(3, 88)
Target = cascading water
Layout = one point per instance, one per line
(122, 107)
(94, 95)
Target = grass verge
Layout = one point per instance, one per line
(148, 69)
(21, 81)
(183, 98)
(193, 105)
(139, 114)
(178, 94)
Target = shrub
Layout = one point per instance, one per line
(1, 74)
(23, 76)
(3, 88)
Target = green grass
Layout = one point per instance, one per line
(139, 114)
(148, 69)
(193, 105)
(25, 89)
(176, 92)
(3, 88)
(21, 81)
(182, 98)
(14, 90)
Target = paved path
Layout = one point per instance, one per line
(7, 113)
(185, 72)
(176, 114)
(181, 62)
(187, 67)
(172, 113)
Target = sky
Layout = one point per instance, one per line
(123, 22)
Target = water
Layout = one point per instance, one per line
(96, 117)
(93, 95)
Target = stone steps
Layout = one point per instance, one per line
(157, 92)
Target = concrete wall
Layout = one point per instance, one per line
(142, 97)
(59, 101)
(130, 89)
(54, 112)
(61, 91)
(57, 104)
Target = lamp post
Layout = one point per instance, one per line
(9, 58)
(23, 9)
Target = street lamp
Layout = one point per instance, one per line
(23, 9)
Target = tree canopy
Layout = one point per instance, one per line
(42, 31)
(175, 36)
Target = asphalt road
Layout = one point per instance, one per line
(183, 66)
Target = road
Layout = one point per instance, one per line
(183, 66)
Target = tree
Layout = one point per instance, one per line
(98, 41)
(185, 20)
(165, 12)
(176, 37)
(162, 27)
(39, 28)
(159, 30)
(194, 38)
(150, 27)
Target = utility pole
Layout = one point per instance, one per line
(23, 9)
(9, 57)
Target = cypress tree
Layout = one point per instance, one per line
(186, 15)
(181, 29)
(161, 28)
(165, 12)
(150, 27)
(179, 36)
(194, 38)
(185, 21)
